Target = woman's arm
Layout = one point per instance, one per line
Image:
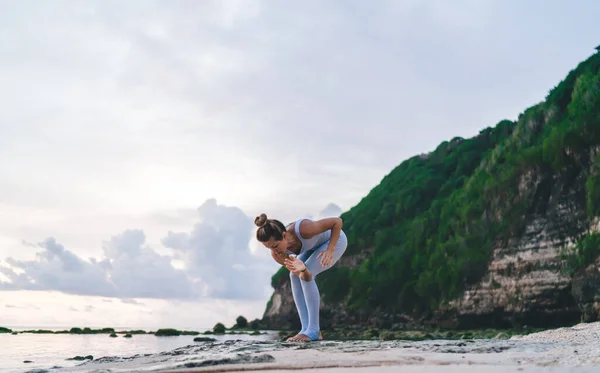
(310, 229)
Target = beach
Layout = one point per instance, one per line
(574, 349)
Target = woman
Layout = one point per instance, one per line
(318, 245)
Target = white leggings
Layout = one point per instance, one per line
(306, 293)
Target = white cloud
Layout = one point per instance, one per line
(57, 269)
(215, 256)
(138, 271)
(331, 210)
(216, 252)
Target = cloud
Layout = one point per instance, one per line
(217, 263)
(338, 92)
(22, 307)
(128, 269)
(131, 301)
(216, 253)
(58, 269)
(138, 271)
(331, 210)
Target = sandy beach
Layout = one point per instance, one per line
(397, 360)
(575, 349)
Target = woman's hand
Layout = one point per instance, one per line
(326, 257)
(294, 264)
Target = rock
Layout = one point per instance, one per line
(219, 328)
(168, 332)
(524, 283)
(586, 291)
(128, 335)
(80, 358)
(264, 358)
(113, 335)
(27, 361)
(204, 339)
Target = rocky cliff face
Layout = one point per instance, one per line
(525, 283)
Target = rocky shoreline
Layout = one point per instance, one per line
(218, 329)
(574, 349)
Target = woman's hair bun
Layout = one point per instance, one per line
(261, 220)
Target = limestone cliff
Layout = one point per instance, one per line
(525, 283)
(491, 231)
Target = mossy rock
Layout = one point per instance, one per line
(204, 339)
(168, 332)
(113, 335)
(219, 328)
(81, 358)
(189, 332)
(128, 335)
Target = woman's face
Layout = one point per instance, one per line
(278, 246)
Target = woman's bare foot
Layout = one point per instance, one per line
(292, 339)
(303, 338)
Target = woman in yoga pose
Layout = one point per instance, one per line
(317, 245)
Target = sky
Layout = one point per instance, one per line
(139, 139)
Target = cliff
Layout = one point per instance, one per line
(493, 231)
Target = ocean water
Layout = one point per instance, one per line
(50, 352)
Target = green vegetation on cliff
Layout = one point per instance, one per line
(432, 222)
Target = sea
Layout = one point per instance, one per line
(28, 352)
